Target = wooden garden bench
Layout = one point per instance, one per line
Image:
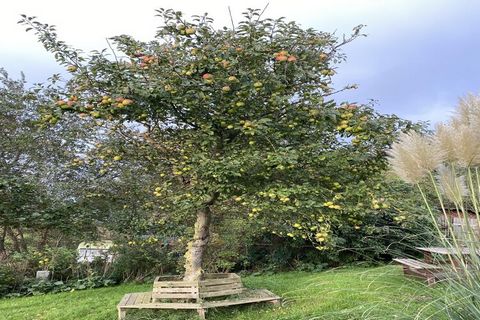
(419, 269)
(143, 300)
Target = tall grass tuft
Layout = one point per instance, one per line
(448, 162)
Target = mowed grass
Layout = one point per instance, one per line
(346, 293)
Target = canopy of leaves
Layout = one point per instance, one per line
(239, 112)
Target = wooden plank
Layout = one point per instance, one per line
(221, 287)
(138, 298)
(260, 296)
(169, 278)
(171, 285)
(424, 274)
(185, 290)
(416, 264)
(146, 298)
(165, 305)
(174, 296)
(448, 251)
(219, 276)
(265, 296)
(124, 300)
(219, 281)
(207, 286)
(220, 293)
(131, 299)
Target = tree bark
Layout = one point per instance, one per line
(16, 246)
(196, 247)
(22, 242)
(43, 239)
(3, 250)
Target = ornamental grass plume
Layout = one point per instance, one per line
(445, 142)
(468, 111)
(452, 186)
(466, 144)
(413, 156)
(459, 140)
(457, 144)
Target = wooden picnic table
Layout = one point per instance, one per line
(428, 252)
(434, 269)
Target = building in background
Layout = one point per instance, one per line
(87, 251)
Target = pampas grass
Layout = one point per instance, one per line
(414, 156)
(452, 186)
(451, 159)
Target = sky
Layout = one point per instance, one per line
(418, 58)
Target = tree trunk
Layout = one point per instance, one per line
(43, 239)
(3, 250)
(196, 247)
(22, 242)
(16, 246)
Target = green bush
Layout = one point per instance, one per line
(61, 262)
(142, 258)
(38, 287)
(8, 281)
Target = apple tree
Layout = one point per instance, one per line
(238, 116)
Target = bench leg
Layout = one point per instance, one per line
(276, 302)
(431, 279)
(201, 313)
(121, 314)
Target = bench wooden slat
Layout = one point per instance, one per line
(131, 299)
(124, 300)
(219, 281)
(173, 290)
(146, 298)
(258, 296)
(175, 296)
(262, 296)
(220, 293)
(143, 301)
(222, 287)
(416, 264)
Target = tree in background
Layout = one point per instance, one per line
(237, 117)
(36, 171)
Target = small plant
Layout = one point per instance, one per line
(7, 279)
(39, 287)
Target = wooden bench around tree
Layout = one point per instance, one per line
(420, 269)
(144, 300)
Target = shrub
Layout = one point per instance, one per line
(38, 287)
(8, 281)
(141, 258)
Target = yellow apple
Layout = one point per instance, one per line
(127, 102)
(190, 31)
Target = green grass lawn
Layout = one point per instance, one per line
(347, 293)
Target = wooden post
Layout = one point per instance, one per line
(276, 302)
(201, 313)
(121, 313)
(427, 257)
